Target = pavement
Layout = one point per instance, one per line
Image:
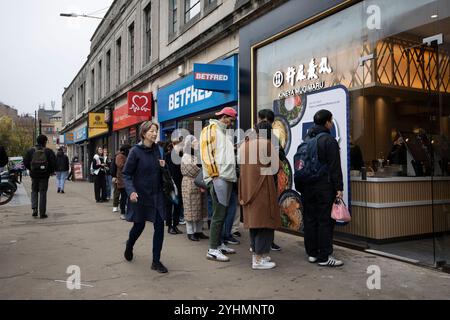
(39, 259)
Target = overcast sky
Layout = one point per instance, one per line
(41, 52)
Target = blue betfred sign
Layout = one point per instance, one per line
(213, 77)
(182, 98)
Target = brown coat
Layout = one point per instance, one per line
(257, 192)
(193, 200)
(120, 163)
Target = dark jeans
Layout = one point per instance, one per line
(123, 200)
(116, 196)
(39, 187)
(100, 186)
(173, 214)
(229, 218)
(218, 217)
(158, 236)
(261, 240)
(319, 226)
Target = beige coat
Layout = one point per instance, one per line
(257, 192)
(193, 199)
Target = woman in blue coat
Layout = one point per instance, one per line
(143, 183)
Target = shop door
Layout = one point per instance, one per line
(439, 88)
(401, 122)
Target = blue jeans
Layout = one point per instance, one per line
(229, 217)
(108, 186)
(61, 177)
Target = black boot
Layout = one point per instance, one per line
(43, 216)
(35, 212)
(158, 266)
(171, 230)
(178, 231)
(193, 237)
(201, 235)
(128, 252)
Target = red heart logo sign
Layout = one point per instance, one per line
(140, 101)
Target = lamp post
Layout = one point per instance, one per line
(76, 15)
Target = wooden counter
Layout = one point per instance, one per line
(387, 208)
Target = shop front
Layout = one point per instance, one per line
(125, 126)
(81, 143)
(383, 69)
(98, 132)
(69, 143)
(189, 104)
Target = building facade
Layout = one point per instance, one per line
(381, 66)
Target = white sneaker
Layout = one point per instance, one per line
(266, 258)
(250, 249)
(262, 264)
(312, 259)
(122, 216)
(226, 250)
(331, 262)
(216, 255)
(115, 209)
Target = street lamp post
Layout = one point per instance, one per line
(76, 15)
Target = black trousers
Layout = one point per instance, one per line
(318, 224)
(158, 236)
(39, 187)
(100, 186)
(173, 214)
(261, 240)
(123, 200)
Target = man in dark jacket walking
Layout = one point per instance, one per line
(319, 195)
(41, 162)
(62, 169)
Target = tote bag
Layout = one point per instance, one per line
(340, 211)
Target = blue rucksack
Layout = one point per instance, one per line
(307, 167)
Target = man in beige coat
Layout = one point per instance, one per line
(257, 193)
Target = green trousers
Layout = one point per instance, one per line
(217, 220)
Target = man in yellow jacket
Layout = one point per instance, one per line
(219, 174)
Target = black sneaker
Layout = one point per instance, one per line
(237, 234)
(158, 266)
(44, 216)
(128, 254)
(62, 191)
(275, 247)
(35, 213)
(232, 240)
(59, 190)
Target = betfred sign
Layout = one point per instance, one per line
(213, 77)
(140, 104)
(123, 120)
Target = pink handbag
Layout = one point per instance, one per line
(340, 212)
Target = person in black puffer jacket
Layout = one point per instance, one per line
(62, 169)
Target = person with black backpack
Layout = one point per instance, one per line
(318, 177)
(41, 162)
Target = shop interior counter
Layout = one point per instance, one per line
(390, 208)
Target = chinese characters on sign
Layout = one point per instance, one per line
(299, 74)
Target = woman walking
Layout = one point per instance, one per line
(143, 183)
(98, 171)
(193, 200)
(62, 169)
(258, 195)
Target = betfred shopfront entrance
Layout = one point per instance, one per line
(393, 59)
(182, 106)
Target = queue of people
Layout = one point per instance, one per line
(139, 186)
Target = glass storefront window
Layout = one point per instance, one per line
(399, 91)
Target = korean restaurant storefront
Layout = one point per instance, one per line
(383, 69)
(183, 103)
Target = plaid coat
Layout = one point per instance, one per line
(193, 199)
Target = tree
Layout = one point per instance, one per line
(15, 139)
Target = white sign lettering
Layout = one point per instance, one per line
(186, 96)
(294, 75)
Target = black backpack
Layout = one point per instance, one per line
(307, 167)
(39, 161)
